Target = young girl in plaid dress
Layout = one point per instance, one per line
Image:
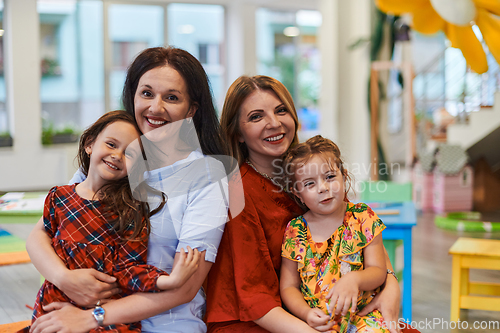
(99, 224)
(333, 257)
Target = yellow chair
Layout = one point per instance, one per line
(479, 254)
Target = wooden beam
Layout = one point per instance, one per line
(374, 104)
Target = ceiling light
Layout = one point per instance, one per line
(291, 31)
(186, 29)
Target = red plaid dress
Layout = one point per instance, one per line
(82, 238)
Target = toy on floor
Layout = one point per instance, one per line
(465, 221)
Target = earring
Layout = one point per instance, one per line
(189, 120)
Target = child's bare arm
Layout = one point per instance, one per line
(294, 300)
(289, 289)
(375, 269)
(42, 254)
(185, 265)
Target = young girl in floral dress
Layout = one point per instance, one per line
(333, 257)
(99, 224)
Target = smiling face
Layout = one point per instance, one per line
(266, 126)
(107, 152)
(161, 98)
(320, 186)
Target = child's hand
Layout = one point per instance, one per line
(318, 320)
(344, 295)
(184, 267)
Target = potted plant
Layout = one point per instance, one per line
(5, 139)
(67, 134)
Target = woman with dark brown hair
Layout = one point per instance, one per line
(243, 293)
(98, 223)
(168, 93)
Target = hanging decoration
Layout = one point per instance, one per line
(456, 19)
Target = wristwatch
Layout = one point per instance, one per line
(393, 274)
(99, 314)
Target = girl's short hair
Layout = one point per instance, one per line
(127, 215)
(237, 93)
(299, 155)
(191, 70)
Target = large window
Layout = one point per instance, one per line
(199, 29)
(71, 64)
(131, 29)
(444, 88)
(287, 50)
(76, 51)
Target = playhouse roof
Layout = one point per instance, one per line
(450, 159)
(447, 159)
(427, 160)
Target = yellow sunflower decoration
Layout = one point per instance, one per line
(456, 19)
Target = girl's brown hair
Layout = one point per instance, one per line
(300, 154)
(127, 215)
(236, 95)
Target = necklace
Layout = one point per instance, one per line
(263, 174)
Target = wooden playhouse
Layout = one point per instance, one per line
(443, 180)
(453, 180)
(422, 178)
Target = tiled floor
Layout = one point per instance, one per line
(18, 283)
(431, 280)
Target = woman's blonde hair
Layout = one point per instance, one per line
(236, 95)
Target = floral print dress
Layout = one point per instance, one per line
(324, 263)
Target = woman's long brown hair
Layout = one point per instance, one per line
(128, 215)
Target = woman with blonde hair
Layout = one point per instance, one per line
(260, 123)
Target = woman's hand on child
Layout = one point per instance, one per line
(387, 301)
(87, 286)
(183, 269)
(319, 320)
(344, 295)
(64, 318)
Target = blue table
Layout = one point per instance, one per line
(399, 226)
